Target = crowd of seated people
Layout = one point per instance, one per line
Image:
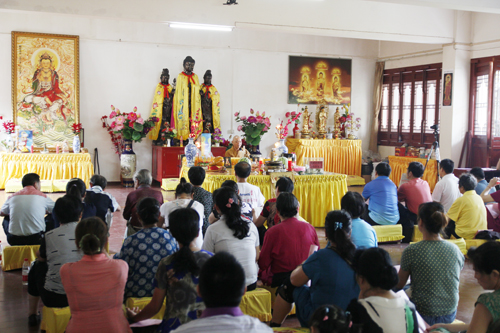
(201, 279)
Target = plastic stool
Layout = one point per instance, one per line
(13, 256)
(257, 303)
(55, 320)
(389, 233)
(141, 302)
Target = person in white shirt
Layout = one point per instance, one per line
(234, 234)
(446, 190)
(24, 212)
(183, 199)
(249, 193)
(222, 285)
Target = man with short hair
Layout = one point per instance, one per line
(222, 285)
(414, 192)
(143, 189)
(249, 193)
(467, 214)
(104, 202)
(24, 211)
(383, 196)
(196, 177)
(481, 182)
(237, 150)
(446, 190)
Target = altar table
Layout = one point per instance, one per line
(317, 194)
(399, 165)
(47, 166)
(341, 156)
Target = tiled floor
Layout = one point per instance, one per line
(14, 298)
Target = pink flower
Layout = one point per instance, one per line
(252, 120)
(131, 124)
(135, 108)
(267, 122)
(132, 116)
(260, 120)
(112, 108)
(140, 121)
(112, 115)
(257, 114)
(287, 114)
(266, 129)
(240, 128)
(358, 119)
(236, 114)
(293, 113)
(113, 124)
(120, 120)
(263, 114)
(119, 127)
(244, 118)
(251, 111)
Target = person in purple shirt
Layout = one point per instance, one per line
(222, 285)
(383, 196)
(143, 189)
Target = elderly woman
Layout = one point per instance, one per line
(143, 189)
(237, 150)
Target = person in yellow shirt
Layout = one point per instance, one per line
(237, 150)
(467, 214)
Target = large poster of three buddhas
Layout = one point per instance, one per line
(186, 106)
(314, 80)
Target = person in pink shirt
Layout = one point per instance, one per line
(413, 193)
(95, 285)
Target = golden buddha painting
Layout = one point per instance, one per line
(313, 80)
(45, 86)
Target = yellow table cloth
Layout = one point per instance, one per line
(47, 166)
(341, 156)
(317, 194)
(399, 165)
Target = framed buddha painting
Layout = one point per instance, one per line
(45, 86)
(312, 80)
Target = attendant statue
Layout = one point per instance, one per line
(162, 107)
(320, 85)
(321, 118)
(337, 96)
(336, 126)
(187, 102)
(447, 90)
(210, 101)
(305, 124)
(304, 86)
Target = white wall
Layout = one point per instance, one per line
(121, 61)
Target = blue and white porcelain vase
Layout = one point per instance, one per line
(128, 164)
(282, 148)
(76, 144)
(190, 152)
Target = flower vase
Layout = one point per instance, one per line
(128, 164)
(282, 148)
(255, 151)
(76, 144)
(172, 142)
(169, 143)
(296, 130)
(217, 144)
(190, 151)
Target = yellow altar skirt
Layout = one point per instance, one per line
(47, 166)
(341, 156)
(399, 165)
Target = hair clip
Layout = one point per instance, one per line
(338, 225)
(325, 318)
(229, 203)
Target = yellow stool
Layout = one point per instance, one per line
(417, 235)
(55, 320)
(474, 243)
(13, 256)
(141, 302)
(389, 233)
(273, 297)
(291, 329)
(257, 303)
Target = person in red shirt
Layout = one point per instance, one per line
(286, 245)
(414, 193)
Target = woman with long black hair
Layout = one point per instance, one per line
(177, 276)
(234, 234)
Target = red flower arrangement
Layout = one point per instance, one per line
(195, 129)
(282, 131)
(9, 127)
(77, 128)
(116, 138)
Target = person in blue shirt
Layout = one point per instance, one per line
(383, 196)
(481, 182)
(362, 235)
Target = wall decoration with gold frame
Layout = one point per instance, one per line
(45, 85)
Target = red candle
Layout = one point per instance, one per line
(31, 149)
(289, 165)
